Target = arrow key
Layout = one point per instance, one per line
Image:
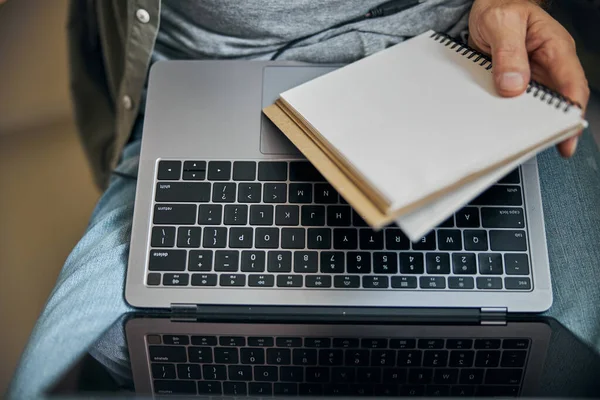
(219, 170)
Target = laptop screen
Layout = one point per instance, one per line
(142, 356)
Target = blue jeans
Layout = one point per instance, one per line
(88, 296)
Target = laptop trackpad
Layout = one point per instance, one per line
(275, 81)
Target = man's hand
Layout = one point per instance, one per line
(526, 43)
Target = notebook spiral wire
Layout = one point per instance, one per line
(536, 89)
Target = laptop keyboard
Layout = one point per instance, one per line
(240, 365)
(279, 224)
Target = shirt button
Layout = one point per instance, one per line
(142, 16)
(127, 103)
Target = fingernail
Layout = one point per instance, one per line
(511, 81)
(573, 146)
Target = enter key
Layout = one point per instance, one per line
(502, 217)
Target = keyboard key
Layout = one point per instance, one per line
(317, 342)
(404, 282)
(261, 280)
(346, 343)
(500, 196)
(468, 217)
(504, 376)
(490, 264)
(463, 282)
(383, 358)
(279, 261)
(487, 358)
(272, 171)
(449, 239)
(358, 262)
(266, 238)
(163, 236)
(432, 282)
(204, 340)
(169, 170)
(368, 375)
(385, 390)
(412, 390)
(475, 240)
(489, 283)
(168, 354)
(194, 175)
(403, 343)
(374, 343)
(289, 280)
(223, 193)
(153, 279)
(304, 171)
(464, 264)
(174, 387)
(226, 355)
(496, 217)
(253, 261)
(395, 239)
(275, 193)
(204, 279)
(420, 375)
(232, 280)
(515, 344)
(167, 260)
(471, 376)
(259, 341)
(287, 215)
(437, 391)
(318, 281)
(512, 177)
(219, 372)
(306, 262)
(319, 238)
(435, 358)
(188, 237)
(438, 263)
(266, 374)
(409, 358)
(448, 223)
(411, 263)
(317, 374)
(357, 219)
(376, 282)
(200, 354)
(286, 389)
(214, 237)
(343, 375)
(325, 194)
(219, 170)
(304, 357)
(244, 170)
(346, 281)
(371, 240)
(462, 391)
(163, 371)
(236, 214)
(194, 166)
(177, 214)
(487, 344)
(461, 358)
(200, 260)
(261, 215)
(240, 238)
(187, 371)
(497, 391)
(240, 372)
(288, 342)
(517, 283)
(300, 193)
(339, 215)
(513, 358)
(310, 389)
(427, 242)
(385, 263)
(210, 214)
(332, 262)
(235, 388)
(279, 357)
(183, 192)
(516, 264)
(357, 358)
(249, 192)
(176, 339)
(460, 344)
(313, 215)
(227, 261)
(260, 389)
(431, 344)
(345, 239)
(445, 376)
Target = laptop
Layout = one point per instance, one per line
(217, 356)
(229, 213)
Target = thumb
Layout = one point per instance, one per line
(506, 37)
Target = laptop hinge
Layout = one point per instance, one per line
(493, 315)
(183, 312)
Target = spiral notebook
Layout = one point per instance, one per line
(416, 131)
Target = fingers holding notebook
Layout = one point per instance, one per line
(527, 43)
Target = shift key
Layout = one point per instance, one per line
(177, 214)
(193, 192)
(500, 195)
(508, 240)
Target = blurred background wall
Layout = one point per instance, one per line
(46, 191)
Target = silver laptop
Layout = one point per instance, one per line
(227, 212)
